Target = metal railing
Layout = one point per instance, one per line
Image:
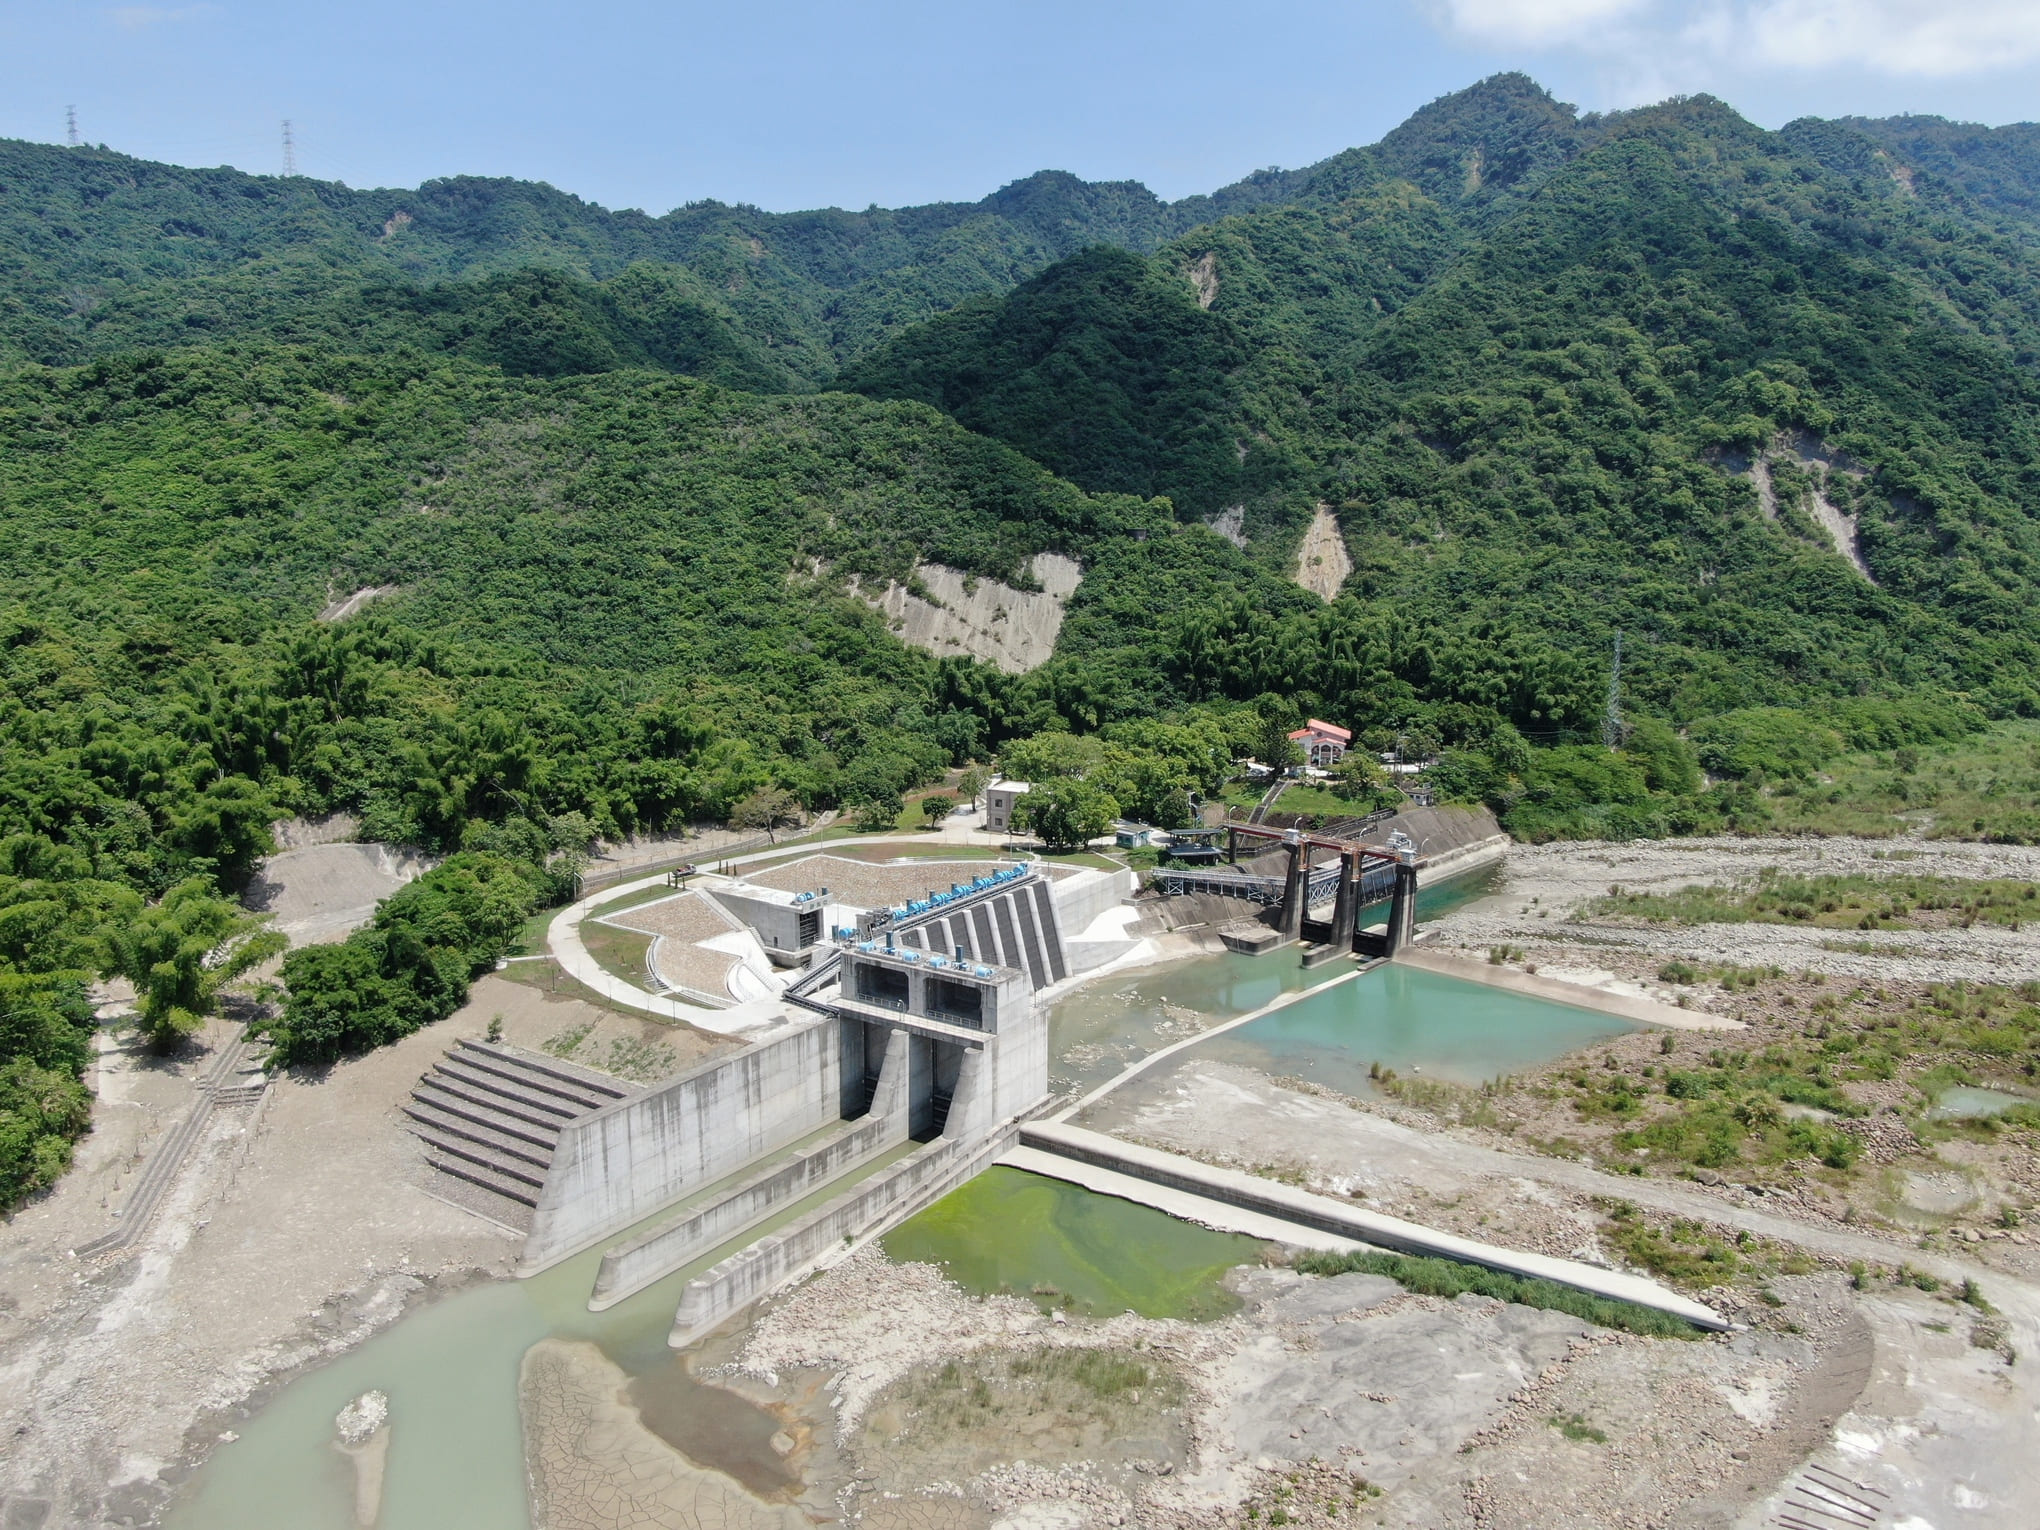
(593, 879)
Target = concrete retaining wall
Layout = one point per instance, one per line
(1233, 1188)
(886, 1198)
(620, 1164)
(631, 1266)
(1081, 899)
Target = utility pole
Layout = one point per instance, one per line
(289, 150)
(1611, 725)
(71, 125)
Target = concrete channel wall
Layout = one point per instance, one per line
(1079, 900)
(1232, 1188)
(891, 1196)
(630, 1267)
(620, 1164)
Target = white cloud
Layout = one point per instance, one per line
(1938, 38)
(1536, 22)
(1924, 37)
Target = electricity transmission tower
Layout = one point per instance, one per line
(289, 150)
(1611, 725)
(71, 125)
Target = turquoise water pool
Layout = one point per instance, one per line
(1414, 1021)
(1099, 1030)
(1968, 1102)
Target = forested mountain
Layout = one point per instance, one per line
(101, 253)
(1767, 403)
(1524, 404)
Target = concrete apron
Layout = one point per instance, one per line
(831, 1232)
(1235, 1202)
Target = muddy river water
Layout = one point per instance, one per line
(450, 1368)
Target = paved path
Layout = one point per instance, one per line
(563, 935)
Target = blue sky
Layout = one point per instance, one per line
(790, 104)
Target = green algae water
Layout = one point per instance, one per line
(1414, 1021)
(1027, 1235)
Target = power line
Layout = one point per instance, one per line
(71, 125)
(289, 150)
(1611, 725)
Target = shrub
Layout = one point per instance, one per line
(1449, 1278)
(411, 966)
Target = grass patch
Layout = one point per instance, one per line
(637, 899)
(1575, 1427)
(1736, 1106)
(1838, 902)
(1687, 1253)
(620, 953)
(1449, 1278)
(1312, 797)
(530, 937)
(1984, 787)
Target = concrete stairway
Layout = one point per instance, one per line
(491, 1116)
(217, 1088)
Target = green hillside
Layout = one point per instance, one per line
(605, 486)
(101, 253)
(1532, 406)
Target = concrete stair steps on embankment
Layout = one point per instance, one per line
(490, 1117)
(481, 1175)
(531, 1177)
(494, 1097)
(446, 1099)
(435, 1125)
(575, 1087)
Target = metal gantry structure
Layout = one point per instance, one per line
(1361, 875)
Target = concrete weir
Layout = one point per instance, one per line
(1043, 1143)
(909, 1055)
(899, 1065)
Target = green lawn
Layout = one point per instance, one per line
(1314, 798)
(618, 952)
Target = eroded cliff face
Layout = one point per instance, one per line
(1323, 563)
(1014, 629)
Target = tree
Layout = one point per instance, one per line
(879, 811)
(181, 952)
(767, 808)
(1047, 756)
(972, 783)
(1359, 778)
(1273, 746)
(41, 1111)
(1066, 813)
(412, 965)
(936, 808)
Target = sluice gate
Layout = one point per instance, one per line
(1359, 876)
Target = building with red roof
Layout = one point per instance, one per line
(1323, 743)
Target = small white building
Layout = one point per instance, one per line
(1001, 798)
